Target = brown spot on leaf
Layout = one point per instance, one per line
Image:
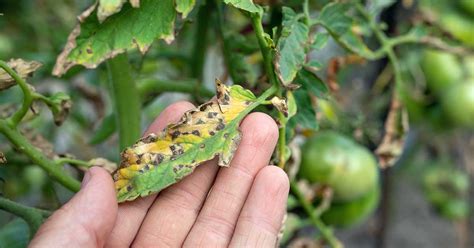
(89, 50)
(220, 126)
(196, 132)
(175, 134)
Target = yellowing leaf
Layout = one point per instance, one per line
(107, 8)
(160, 160)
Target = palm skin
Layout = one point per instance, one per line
(239, 206)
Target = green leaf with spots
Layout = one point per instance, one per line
(162, 159)
(92, 42)
(246, 5)
(292, 46)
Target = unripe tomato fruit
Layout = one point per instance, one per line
(441, 70)
(332, 159)
(459, 26)
(458, 104)
(467, 6)
(353, 212)
(446, 189)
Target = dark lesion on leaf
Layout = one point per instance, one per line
(159, 158)
(175, 134)
(149, 138)
(196, 132)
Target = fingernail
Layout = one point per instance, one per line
(87, 177)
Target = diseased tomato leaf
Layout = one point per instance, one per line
(107, 8)
(92, 42)
(160, 160)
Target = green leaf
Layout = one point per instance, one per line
(306, 115)
(312, 83)
(162, 159)
(15, 234)
(337, 19)
(246, 5)
(291, 46)
(107, 127)
(320, 41)
(333, 16)
(185, 6)
(291, 102)
(314, 65)
(377, 6)
(92, 42)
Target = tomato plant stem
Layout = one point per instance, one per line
(27, 94)
(126, 98)
(266, 47)
(33, 216)
(24, 146)
(326, 232)
(71, 161)
(152, 86)
(200, 43)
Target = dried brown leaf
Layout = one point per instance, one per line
(396, 127)
(23, 68)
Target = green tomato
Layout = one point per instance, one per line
(469, 65)
(458, 104)
(345, 214)
(467, 6)
(459, 26)
(441, 70)
(337, 161)
(6, 45)
(454, 209)
(35, 176)
(446, 189)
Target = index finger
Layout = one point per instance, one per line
(131, 214)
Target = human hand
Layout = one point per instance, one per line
(242, 205)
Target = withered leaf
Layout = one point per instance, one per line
(162, 159)
(104, 163)
(3, 159)
(23, 68)
(396, 127)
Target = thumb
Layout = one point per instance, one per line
(86, 220)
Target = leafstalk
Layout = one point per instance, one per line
(266, 49)
(326, 232)
(126, 100)
(151, 86)
(27, 95)
(8, 127)
(24, 146)
(33, 216)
